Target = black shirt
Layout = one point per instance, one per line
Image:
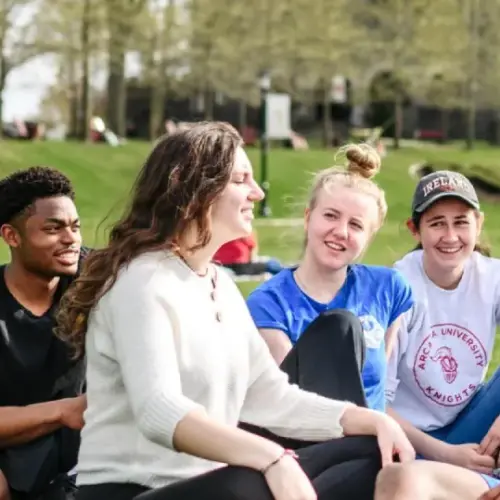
(35, 365)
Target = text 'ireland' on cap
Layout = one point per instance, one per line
(443, 184)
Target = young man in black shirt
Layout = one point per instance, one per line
(41, 401)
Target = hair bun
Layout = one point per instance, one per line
(363, 160)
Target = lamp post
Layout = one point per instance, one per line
(265, 85)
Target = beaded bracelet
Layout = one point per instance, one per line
(285, 453)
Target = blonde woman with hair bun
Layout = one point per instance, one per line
(331, 321)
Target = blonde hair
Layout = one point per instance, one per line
(363, 163)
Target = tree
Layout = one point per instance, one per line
(121, 16)
(13, 52)
(85, 45)
(160, 47)
(327, 34)
(73, 35)
(458, 54)
(248, 42)
(404, 36)
(208, 24)
(483, 65)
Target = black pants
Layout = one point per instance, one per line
(38, 470)
(342, 469)
(329, 356)
(63, 488)
(327, 359)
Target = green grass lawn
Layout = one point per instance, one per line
(104, 175)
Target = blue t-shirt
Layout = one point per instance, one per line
(377, 295)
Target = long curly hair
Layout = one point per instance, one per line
(182, 177)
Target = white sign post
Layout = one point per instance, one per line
(278, 116)
(339, 89)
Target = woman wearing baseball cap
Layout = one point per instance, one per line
(435, 386)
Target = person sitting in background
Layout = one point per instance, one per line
(174, 360)
(320, 318)
(241, 257)
(41, 405)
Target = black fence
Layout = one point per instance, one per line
(420, 120)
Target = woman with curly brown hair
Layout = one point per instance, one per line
(174, 360)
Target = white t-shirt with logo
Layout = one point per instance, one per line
(445, 342)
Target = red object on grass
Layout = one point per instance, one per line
(236, 252)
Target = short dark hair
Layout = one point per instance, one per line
(21, 189)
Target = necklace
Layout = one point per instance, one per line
(213, 283)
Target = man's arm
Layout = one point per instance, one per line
(22, 424)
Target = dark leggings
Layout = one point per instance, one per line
(329, 356)
(342, 469)
(327, 359)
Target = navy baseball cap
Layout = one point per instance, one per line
(443, 184)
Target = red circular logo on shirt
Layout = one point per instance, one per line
(449, 364)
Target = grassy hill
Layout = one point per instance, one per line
(103, 176)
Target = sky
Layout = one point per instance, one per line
(25, 88)
(27, 85)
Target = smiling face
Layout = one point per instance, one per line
(232, 213)
(339, 226)
(47, 239)
(448, 232)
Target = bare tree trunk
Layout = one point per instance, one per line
(73, 111)
(3, 64)
(159, 88)
(73, 96)
(471, 125)
(116, 85)
(84, 111)
(121, 15)
(242, 115)
(472, 82)
(157, 110)
(209, 104)
(445, 123)
(327, 119)
(398, 120)
(496, 137)
(3, 77)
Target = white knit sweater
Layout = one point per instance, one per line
(155, 352)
